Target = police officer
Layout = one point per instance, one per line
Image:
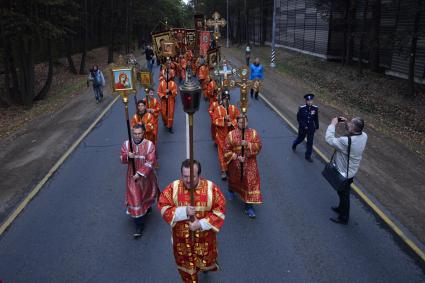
(308, 121)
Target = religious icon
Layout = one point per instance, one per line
(158, 39)
(199, 21)
(213, 57)
(168, 49)
(123, 79)
(145, 78)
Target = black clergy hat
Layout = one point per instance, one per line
(309, 96)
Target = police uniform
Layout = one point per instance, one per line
(308, 121)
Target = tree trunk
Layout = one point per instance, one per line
(362, 36)
(412, 58)
(43, 92)
(7, 98)
(68, 49)
(85, 33)
(349, 31)
(374, 42)
(111, 32)
(26, 72)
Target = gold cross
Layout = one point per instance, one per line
(244, 84)
(216, 22)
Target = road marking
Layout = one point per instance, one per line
(359, 192)
(55, 167)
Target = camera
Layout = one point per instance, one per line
(341, 119)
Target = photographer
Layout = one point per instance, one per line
(341, 144)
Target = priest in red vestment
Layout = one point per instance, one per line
(247, 185)
(141, 185)
(224, 120)
(194, 240)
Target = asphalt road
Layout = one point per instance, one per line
(76, 229)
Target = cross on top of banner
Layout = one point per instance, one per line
(216, 22)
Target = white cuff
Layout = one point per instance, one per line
(180, 214)
(204, 225)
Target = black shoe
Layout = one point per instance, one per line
(138, 233)
(171, 130)
(339, 221)
(294, 148)
(336, 209)
(309, 159)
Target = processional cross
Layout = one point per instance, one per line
(216, 22)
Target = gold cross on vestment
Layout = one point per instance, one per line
(216, 22)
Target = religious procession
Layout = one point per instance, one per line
(202, 141)
(191, 66)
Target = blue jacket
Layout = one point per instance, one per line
(256, 72)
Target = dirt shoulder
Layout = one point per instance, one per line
(393, 165)
(33, 140)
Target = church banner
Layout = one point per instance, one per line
(204, 44)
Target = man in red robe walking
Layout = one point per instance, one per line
(141, 185)
(224, 120)
(247, 183)
(197, 253)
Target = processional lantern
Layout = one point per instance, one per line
(190, 93)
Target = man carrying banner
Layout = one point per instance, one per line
(243, 176)
(224, 120)
(141, 184)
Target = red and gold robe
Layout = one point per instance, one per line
(182, 68)
(211, 91)
(211, 112)
(162, 92)
(149, 121)
(171, 73)
(249, 188)
(221, 129)
(140, 194)
(202, 75)
(210, 205)
(154, 105)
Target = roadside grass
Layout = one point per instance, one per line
(380, 99)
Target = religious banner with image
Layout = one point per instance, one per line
(191, 39)
(204, 44)
(179, 37)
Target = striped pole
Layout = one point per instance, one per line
(273, 57)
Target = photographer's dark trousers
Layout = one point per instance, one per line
(302, 133)
(344, 202)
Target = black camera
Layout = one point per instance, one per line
(340, 119)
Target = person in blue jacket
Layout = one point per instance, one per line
(308, 121)
(256, 73)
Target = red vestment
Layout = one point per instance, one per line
(149, 121)
(211, 91)
(249, 188)
(182, 68)
(202, 75)
(222, 129)
(140, 194)
(211, 112)
(171, 73)
(162, 92)
(210, 204)
(154, 105)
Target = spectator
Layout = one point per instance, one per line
(342, 146)
(98, 80)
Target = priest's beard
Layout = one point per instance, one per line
(137, 140)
